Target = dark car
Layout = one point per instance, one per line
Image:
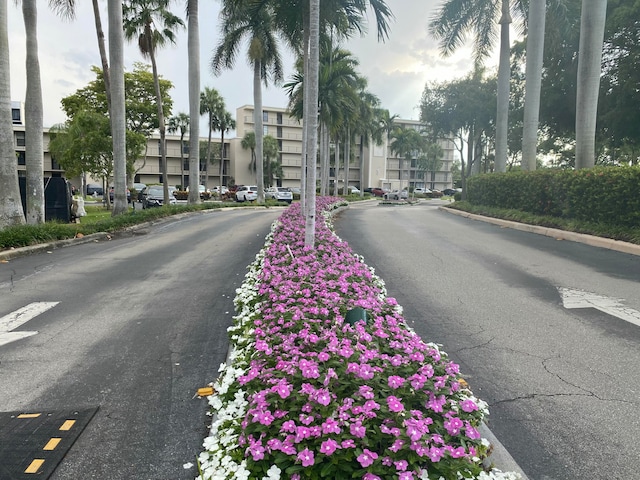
(449, 191)
(153, 196)
(94, 189)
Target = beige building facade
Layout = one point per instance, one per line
(380, 167)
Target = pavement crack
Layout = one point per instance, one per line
(473, 347)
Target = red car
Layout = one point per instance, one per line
(377, 192)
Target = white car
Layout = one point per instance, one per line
(421, 191)
(353, 190)
(217, 189)
(247, 193)
(282, 194)
(396, 195)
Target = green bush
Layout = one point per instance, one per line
(608, 195)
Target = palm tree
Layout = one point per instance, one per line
(180, 123)
(248, 142)
(193, 46)
(210, 103)
(118, 119)
(311, 120)
(453, 21)
(387, 125)
(152, 25)
(272, 167)
(246, 19)
(226, 124)
(368, 126)
(406, 141)
(533, 76)
(592, 22)
(11, 212)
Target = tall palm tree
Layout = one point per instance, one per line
(533, 76)
(247, 19)
(193, 46)
(248, 142)
(210, 104)
(180, 123)
(387, 125)
(34, 152)
(152, 25)
(406, 141)
(118, 121)
(592, 22)
(311, 120)
(11, 212)
(368, 126)
(226, 124)
(450, 25)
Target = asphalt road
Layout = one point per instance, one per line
(562, 384)
(140, 325)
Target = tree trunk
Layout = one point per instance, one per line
(34, 151)
(592, 22)
(11, 212)
(103, 53)
(533, 76)
(312, 121)
(193, 46)
(347, 160)
(305, 115)
(257, 112)
(361, 187)
(336, 186)
(206, 163)
(502, 114)
(161, 126)
(221, 158)
(118, 128)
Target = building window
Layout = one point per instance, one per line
(21, 158)
(55, 165)
(160, 178)
(279, 116)
(265, 130)
(15, 116)
(265, 116)
(20, 139)
(185, 147)
(185, 165)
(279, 132)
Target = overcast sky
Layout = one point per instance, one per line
(397, 70)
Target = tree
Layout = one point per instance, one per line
(227, 123)
(248, 142)
(193, 46)
(311, 120)
(533, 75)
(407, 144)
(272, 167)
(153, 25)
(430, 160)
(453, 21)
(84, 144)
(180, 123)
(210, 104)
(11, 212)
(592, 22)
(246, 19)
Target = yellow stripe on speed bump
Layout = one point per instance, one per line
(29, 415)
(67, 425)
(34, 466)
(52, 443)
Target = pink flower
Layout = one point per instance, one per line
(367, 457)
(370, 476)
(395, 381)
(405, 476)
(401, 465)
(357, 429)
(329, 446)
(394, 403)
(468, 405)
(453, 425)
(306, 457)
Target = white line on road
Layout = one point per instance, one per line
(14, 319)
(612, 306)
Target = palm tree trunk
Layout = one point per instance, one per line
(116, 58)
(337, 167)
(312, 121)
(206, 163)
(502, 114)
(221, 157)
(34, 152)
(533, 76)
(11, 212)
(103, 52)
(592, 22)
(347, 160)
(161, 123)
(361, 187)
(257, 112)
(193, 46)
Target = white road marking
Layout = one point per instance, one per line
(14, 319)
(612, 306)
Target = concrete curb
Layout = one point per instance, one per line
(608, 243)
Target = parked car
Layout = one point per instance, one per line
(353, 190)
(449, 191)
(396, 195)
(112, 195)
(247, 193)
(220, 190)
(281, 194)
(421, 191)
(153, 196)
(378, 192)
(94, 189)
(295, 190)
(435, 194)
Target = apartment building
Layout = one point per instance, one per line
(380, 167)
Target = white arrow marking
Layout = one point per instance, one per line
(15, 319)
(611, 306)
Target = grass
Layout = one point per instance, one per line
(625, 234)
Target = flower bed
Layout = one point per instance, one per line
(308, 395)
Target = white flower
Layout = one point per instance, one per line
(187, 465)
(273, 473)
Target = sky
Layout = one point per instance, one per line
(397, 70)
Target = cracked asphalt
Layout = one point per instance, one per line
(562, 384)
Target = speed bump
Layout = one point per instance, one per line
(32, 444)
